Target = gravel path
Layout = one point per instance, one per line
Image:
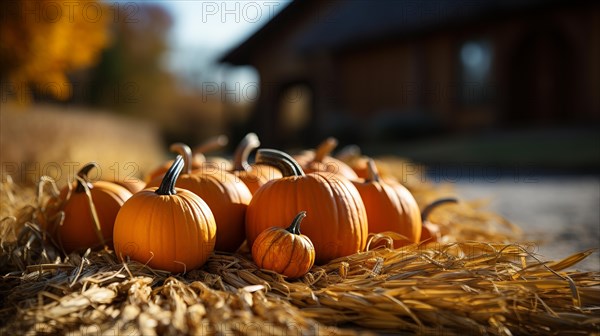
(560, 214)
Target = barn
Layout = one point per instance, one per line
(391, 70)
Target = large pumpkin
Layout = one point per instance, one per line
(320, 160)
(390, 207)
(255, 175)
(90, 209)
(337, 224)
(168, 228)
(226, 195)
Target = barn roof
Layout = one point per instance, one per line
(344, 23)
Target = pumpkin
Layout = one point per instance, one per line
(321, 161)
(285, 251)
(132, 184)
(199, 160)
(431, 232)
(390, 207)
(90, 209)
(254, 176)
(226, 195)
(166, 227)
(337, 225)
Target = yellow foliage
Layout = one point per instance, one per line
(43, 40)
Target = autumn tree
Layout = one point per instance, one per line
(44, 40)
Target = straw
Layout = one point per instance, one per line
(476, 281)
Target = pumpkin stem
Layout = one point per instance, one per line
(82, 173)
(429, 208)
(325, 148)
(295, 226)
(372, 173)
(185, 151)
(167, 186)
(240, 157)
(278, 159)
(349, 153)
(212, 144)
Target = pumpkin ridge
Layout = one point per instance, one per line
(199, 211)
(262, 262)
(336, 206)
(152, 237)
(352, 220)
(189, 220)
(291, 254)
(113, 194)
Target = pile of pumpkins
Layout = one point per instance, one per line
(194, 205)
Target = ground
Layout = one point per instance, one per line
(560, 214)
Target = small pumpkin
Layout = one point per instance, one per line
(256, 175)
(226, 195)
(390, 207)
(285, 251)
(320, 160)
(337, 225)
(199, 160)
(90, 209)
(431, 232)
(166, 227)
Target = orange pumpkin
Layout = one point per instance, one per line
(256, 175)
(431, 232)
(321, 161)
(199, 160)
(226, 195)
(337, 225)
(132, 184)
(166, 227)
(285, 251)
(90, 209)
(390, 207)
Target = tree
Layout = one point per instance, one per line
(44, 40)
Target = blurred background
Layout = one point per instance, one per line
(500, 98)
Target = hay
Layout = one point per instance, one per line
(474, 281)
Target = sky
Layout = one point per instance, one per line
(204, 30)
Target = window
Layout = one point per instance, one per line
(476, 61)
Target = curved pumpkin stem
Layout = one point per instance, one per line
(294, 228)
(240, 157)
(186, 153)
(431, 206)
(83, 174)
(167, 186)
(325, 148)
(372, 172)
(280, 160)
(212, 144)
